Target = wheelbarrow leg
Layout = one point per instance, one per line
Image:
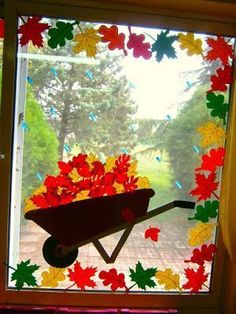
(111, 259)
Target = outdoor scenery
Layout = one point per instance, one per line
(110, 105)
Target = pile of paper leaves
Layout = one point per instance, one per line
(85, 176)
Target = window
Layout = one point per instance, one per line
(45, 86)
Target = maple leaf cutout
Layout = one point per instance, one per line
(112, 278)
(163, 46)
(205, 253)
(140, 48)
(82, 276)
(193, 46)
(220, 49)
(143, 277)
(223, 76)
(214, 159)
(31, 31)
(87, 42)
(211, 134)
(111, 35)
(169, 279)
(51, 277)
(201, 233)
(196, 279)
(152, 233)
(206, 186)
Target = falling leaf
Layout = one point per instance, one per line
(195, 279)
(205, 253)
(211, 134)
(143, 183)
(82, 276)
(111, 35)
(87, 42)
(218, 106)
(214, 159)
(82, 195)
(2, 27)
(112, 278)
(206, 186)
(75, 177)
(132, 168)
(24, 275)
(143, 277)
(31, 31)
(152, 233)
(163, 46)
(220, 49)
(51, 277)
(140, 48)
(221, 79)
(209, 210)
(201, 233)
(110, 164)
(169, 279)
(193, 46)
(59, 34)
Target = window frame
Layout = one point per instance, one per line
(111, 13)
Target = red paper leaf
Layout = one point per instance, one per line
(31, 31)
(220, 50)
(64, 167)
(82, 276)
(205, 186)
(223, 76)
(140, 49)
(112, 278)
(40, 201)
(152, 233)
(213, 160)
(206, 253)
(195, 279)
(111, 35)
(128, 215)
(2, 28)
(130, 184)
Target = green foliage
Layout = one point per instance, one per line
(24, 275)
(218, 106)
(59, 34)
(40, 147)
(142, 277)
(163, 46)
(209, 210)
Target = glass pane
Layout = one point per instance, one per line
(127, 112)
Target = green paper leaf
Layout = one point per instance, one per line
(163, 46)
(24, 275)
(209, 210)
(216, 102)
(59, 34)
(142, 277)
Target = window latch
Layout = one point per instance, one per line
(2, 156)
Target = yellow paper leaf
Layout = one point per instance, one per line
(40, 190)
(87, 41)
(119, 187)
(193, 46)
(211, 134)
(82, 195)
(143, 183)
(168, 278)
(201, 233)
(51, 277)
(29, 205)
(90, 159)
(75, 177)
(132, 168)
(110, 163)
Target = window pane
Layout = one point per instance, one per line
(119, 108)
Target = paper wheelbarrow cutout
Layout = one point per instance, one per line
(78, 223)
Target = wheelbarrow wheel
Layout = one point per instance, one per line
(53, 256)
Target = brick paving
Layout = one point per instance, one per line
(170, 251)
